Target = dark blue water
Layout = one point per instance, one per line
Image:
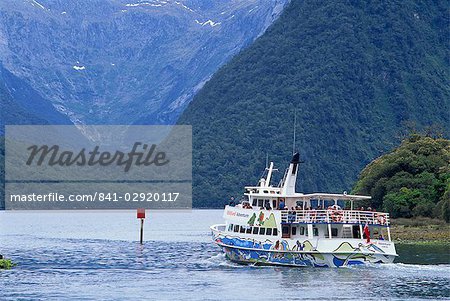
(93, 255)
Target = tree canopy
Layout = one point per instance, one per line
(412, 180)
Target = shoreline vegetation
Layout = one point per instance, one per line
(6, 264)
(420, 231)
(412, 182)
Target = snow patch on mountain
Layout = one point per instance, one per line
(37, 4)
(209, 22)
(184, 6)
(79, 67)
(253, 9)
(144, 4)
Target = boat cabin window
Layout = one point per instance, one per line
(356, 232)
(315, 231)
(255, 230)
(266, 203)
(302, 231)
(334, 232)
(260, 203)
(274, 204)
(294, 230)
(285, 232)
(230, 227)
(254, 203)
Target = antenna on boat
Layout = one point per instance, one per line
(267, 160)
(295, 125)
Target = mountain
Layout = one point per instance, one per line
(15, 95)
(16, 108)
(354, 74)
(124, 61)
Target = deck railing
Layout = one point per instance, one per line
(335, 216)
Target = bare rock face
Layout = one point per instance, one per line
(124, 61)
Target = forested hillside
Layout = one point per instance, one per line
(412, 180)
(356, 73)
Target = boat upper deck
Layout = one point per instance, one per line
(242, 215)
(335, 217)
(282, 205)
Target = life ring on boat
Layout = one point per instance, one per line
(336, 216)
(381, 218)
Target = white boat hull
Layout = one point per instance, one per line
(300, 254)
(260, 257)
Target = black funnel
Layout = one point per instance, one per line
(295, 158)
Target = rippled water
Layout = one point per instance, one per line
(94, 255)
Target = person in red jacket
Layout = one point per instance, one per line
(367, 233)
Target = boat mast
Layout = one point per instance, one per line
(290, 177)
(295, 125)
(269, 174)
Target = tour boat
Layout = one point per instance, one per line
(279, 226)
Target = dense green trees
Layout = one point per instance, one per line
(412, 180)
(355, 72)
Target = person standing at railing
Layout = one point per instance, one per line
(367, 233)
(313, 215)
(320, 216)
(291, 216)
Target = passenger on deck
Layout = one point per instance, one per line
(320, 215)
(281, 205)
(247, 206)
(291, 216)
(313, 215)
(335, 207)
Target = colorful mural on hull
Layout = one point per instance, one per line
(260, 220)
(268, 253)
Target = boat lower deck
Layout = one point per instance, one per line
(305, 259)
(319, 252)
